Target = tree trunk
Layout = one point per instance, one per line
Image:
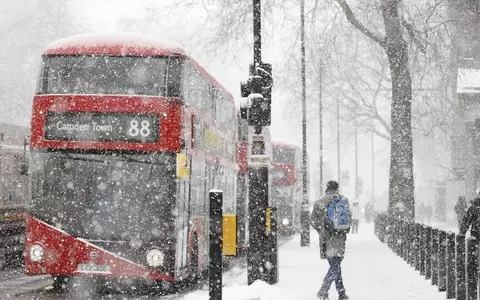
(401, 185)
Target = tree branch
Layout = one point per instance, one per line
(314, 14)
(432, 10)
(356, 23)
(411, 33)
(380, 134)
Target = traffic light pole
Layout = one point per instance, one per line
(261, 254)
(257, 32)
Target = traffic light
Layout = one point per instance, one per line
(258, 89)
(264, 73)
(260, 111)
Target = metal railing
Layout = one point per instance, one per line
(449, 260)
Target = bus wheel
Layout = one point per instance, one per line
(194, 261)
(101, 285)
(167, 287)
(61, 283)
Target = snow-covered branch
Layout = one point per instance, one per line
(357, 24)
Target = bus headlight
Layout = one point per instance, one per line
(285, 222)
(155, 258)
(36, 253)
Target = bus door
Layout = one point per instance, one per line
(183, 207)
(209, 185)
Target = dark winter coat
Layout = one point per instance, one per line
(472, 218)
(331, 244)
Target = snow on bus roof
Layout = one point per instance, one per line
(119, 43)
(284, 144)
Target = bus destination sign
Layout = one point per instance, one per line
(102, 127)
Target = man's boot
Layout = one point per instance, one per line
(322, 295)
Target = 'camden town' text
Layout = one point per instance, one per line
(93, 126)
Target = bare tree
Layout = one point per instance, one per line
(401, 184)
(23, 35)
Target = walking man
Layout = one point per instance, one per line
(355, 216)
(369, 212)
(332, 238)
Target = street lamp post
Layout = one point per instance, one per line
(338, 142)
(320, 130)
(305, 213)
(356, 160)
(373, 170)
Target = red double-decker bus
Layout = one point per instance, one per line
(286, 186)
(128, 134)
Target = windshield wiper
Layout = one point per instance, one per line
(69, 156)
(130, 159)
(125, 157)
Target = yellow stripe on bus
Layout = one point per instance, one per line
(182, 165)
(268, 222)
(229, 235)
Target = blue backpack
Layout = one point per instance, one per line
(338, 217)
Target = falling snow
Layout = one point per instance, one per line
(120, 117)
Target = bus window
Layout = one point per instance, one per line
(114, 75)
(213, 99)
(174, 74)
(285, 155)
(218, 108)
(190, 90)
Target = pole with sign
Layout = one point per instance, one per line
(257, 110)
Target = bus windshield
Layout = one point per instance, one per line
(282, 193)
(94, 74)
(282, 198)
(104, 197)
(284, 155)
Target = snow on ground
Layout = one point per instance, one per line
(371, 271)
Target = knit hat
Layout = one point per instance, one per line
(332, 185)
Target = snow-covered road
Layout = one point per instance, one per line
(371, 271)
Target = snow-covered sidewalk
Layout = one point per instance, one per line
(370, 271)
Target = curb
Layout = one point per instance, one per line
(25, 284)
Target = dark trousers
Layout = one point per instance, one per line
(334, 274)
(355, 226)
